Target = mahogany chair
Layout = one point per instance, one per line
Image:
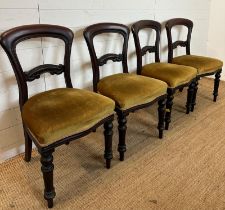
(205, 65)
(176, 76)
(129, 91)
(55, 117)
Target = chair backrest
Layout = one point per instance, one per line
(100, 28)
(172, 44)
(14, 36)
(141, 51)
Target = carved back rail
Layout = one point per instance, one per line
(96, 29)
(14, 36)
(174, 44)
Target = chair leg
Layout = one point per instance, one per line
(108, 155)
(191, 90)
(194, 95)
(161, 114)
(216, 85)
(28, 147)
(122, 121)
(169, 105)
(47, 170)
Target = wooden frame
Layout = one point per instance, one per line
(187, 44)
(9, 41)
(141, 51)
(89, 34)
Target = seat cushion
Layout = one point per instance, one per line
(59, 113)
(202, 64)
(174, 75)
(129, 90)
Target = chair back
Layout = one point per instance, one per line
(91, 32)
(14, 36)
(173, 44)
(141, 51)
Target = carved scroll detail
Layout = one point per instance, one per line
(36, 72)
(111, 56)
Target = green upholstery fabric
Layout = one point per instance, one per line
(202, 64)
(174, 75)
(129, 90)
(59, 113)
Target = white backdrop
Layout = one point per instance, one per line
(216, 38)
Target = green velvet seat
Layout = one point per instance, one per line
(59, 113)
(129, 90)
(203, 64)
(174, 75)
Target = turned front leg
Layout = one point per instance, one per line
(169, 105)
(216, 85)
(122, 127)
(161, 116)
(194, 95)
(47, 170)
(108, 155)
(190, 95)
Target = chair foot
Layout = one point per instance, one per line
(50, 203)
(166, 126)
(161, 134)
(161, 114)
(121, 156)
(191, 90)
(169, 105)
(122, 121)
(216, 85)
(108, 155)
(108, 164)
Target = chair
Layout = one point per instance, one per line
(129, 91)
(55, 117)
(176, 76)
(205, 65)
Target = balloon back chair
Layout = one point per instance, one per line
(129, 91)
(55, 117)
(176, 76)
(205, 65)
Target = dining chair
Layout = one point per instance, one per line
(205, 65)
(129, 91)
(58, 116)
(176, 76)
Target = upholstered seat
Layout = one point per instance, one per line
(129, 90)
(202, 64)
(174, 75)
(59, 113)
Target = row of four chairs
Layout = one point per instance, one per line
(58, 116)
